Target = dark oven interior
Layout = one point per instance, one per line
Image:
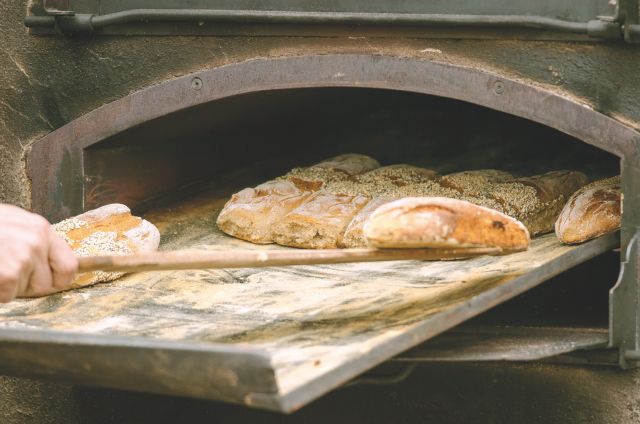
(246, 139)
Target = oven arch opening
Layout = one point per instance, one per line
(261, 135)
(63, 165)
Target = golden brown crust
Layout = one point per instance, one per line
(319, 222)
(109, 230)
(442, 222)
(591, 212)
(393, 181)
(251, 213)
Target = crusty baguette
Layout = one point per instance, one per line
(252, 213)
(592, 211)
(108, 230)
(319, 222)
(423, 222)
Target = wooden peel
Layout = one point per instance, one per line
(201, 259)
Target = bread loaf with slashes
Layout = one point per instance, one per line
(252, 213)
(592, 211)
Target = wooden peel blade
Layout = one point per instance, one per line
(200, 259)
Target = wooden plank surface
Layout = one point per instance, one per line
(311, 320)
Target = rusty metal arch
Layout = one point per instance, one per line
(56, 159)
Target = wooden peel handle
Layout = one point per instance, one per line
(203, 259)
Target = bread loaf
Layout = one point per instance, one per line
(535, 201)
(108, 230)
(475, 186)
(424, 222)
(251, 213)
(592, 211)
(319, 222)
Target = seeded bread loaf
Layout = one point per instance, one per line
(425, 222)
(592, 211)
(252, 213)
(476, 186)
(108, 230)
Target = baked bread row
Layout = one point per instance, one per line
(312, 213)
(328, 204)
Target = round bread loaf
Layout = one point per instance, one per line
(415, 222)
(108, 230)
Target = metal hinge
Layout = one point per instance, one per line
(624, 308)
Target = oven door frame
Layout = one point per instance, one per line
(58, 156)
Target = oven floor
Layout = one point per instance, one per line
(318, 326)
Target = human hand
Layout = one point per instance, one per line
(34, 260)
